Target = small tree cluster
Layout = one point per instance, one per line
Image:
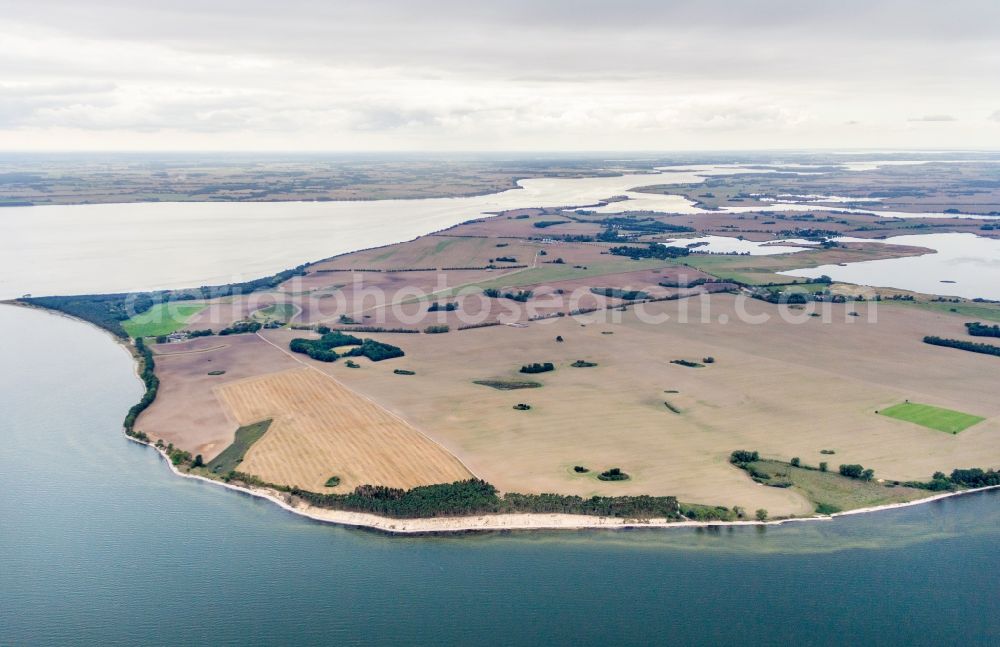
(855, 471)
(743, 456)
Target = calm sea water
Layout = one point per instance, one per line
(970, 264)
(101, 545)
(130, 247)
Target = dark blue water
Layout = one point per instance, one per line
(100, 544)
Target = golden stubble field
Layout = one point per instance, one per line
(321, 429)
(785, 389)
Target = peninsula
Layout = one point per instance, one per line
(575, 367)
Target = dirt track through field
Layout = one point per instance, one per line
(322, 429)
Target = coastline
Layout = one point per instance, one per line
(485, 523)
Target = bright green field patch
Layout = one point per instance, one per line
(937, 418)
(232, 456)
(161, 319)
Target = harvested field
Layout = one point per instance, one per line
(186, 411)
(438, 251)
(321, 428)
(787, 387)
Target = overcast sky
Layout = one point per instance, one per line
(443, 75)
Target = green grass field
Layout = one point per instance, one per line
(830, 492)
(937, 418)
(161, 319)
(232, 456)
(277, 312)
(751, 270)
(756, 270)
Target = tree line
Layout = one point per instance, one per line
(241, 327)
(643, 225)
(977, 329)
(520, 296)
(653, 250)
(475, 496)
(618, 293)
(152, 383)
(536, 367)
(971, 346)
(972, 477)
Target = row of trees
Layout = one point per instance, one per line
(782, 296)
(653, 250)
(538, 368)
(971, 346)
(973, 477)
(977, 329)
(693, 283)
(520, 296)
(476, 496)
(325, 329)
(241, 327)
(618, 293)
(855, 471)
(643, 225)
(152, 383)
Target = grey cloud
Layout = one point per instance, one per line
(459, 71)
(551, 39)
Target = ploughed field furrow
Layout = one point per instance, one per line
(322, 429)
